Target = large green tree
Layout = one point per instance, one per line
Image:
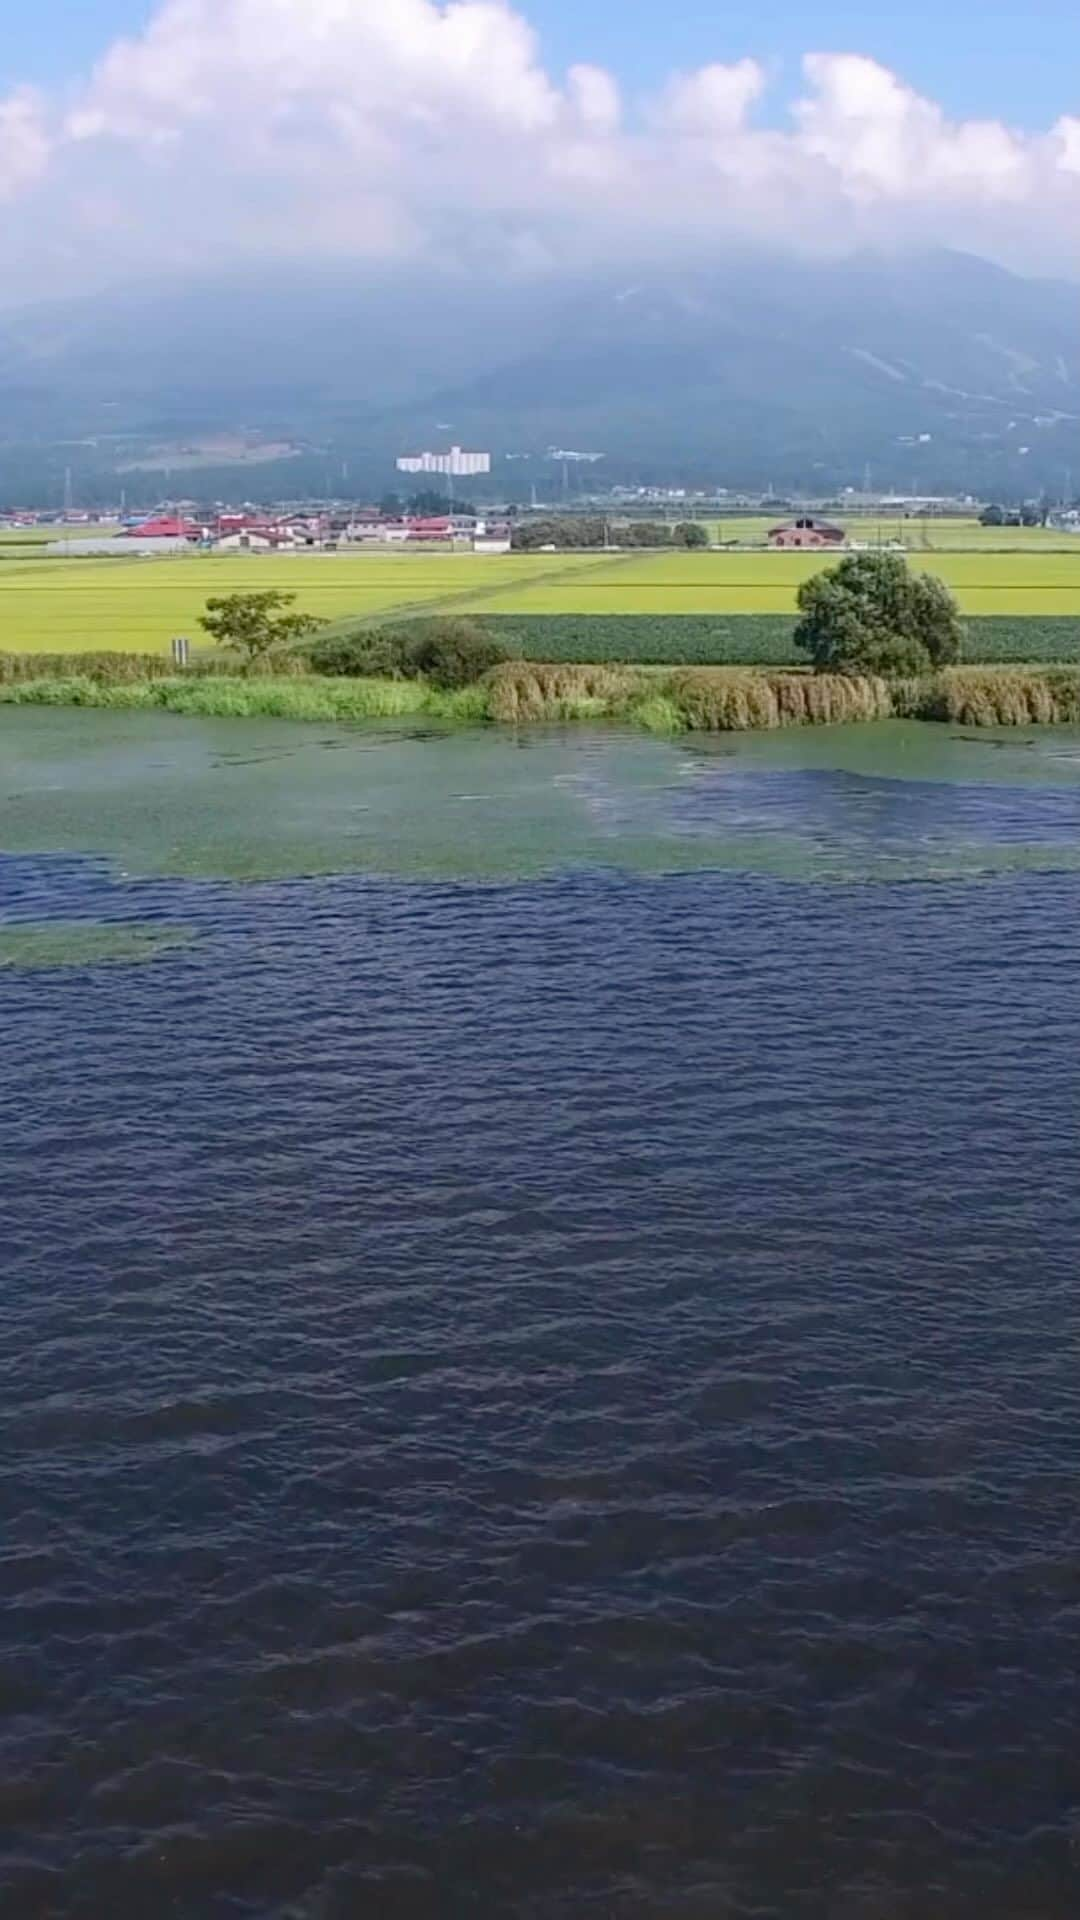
(256, 625)
(872, 614)
(690, 533)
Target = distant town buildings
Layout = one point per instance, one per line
(452, 465)
(264, 531)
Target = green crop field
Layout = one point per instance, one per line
(64, 606)
(37, 537)
(764, 640)
(938, 536)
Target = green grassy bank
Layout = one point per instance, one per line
(266, 696)
(525, 692)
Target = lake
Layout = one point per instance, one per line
(539, 1328)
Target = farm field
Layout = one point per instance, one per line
(938, 536)
(137, 605)
(748, 583)
(61, 606)
(32, 537)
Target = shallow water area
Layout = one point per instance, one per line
(540, 1347)
(250, 799)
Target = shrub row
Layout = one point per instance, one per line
(447, 653)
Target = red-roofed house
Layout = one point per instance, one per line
(807, 533)
(162, 527)
(440, 529)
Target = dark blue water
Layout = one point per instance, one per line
(558, 1399)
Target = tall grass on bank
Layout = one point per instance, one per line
(110, 668)
(232, 698)
(700, 699)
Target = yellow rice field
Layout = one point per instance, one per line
(63, 606)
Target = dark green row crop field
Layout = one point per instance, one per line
(764, 640)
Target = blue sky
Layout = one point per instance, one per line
(1021, 64)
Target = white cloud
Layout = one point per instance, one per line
(24, 142)
(713, 101)
(886, 143)
(372, 129)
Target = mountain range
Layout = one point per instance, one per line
(935, 372)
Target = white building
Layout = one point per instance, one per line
(256, 540)
(455, 464)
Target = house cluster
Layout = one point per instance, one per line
(416, 530)
(262, 533)
(233, 532)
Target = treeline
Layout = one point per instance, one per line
(587, 532)
(1029, 516)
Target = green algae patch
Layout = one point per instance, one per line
(267, 800)
(79, 943)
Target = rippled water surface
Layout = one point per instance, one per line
(539, 1368)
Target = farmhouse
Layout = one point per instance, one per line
(438, 528)
(807, 533)
(267, 537)
(162, 527)
(366, 525)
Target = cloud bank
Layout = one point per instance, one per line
(234, 131)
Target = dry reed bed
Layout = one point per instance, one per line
(999, 697)
(729, 700)
(743, 702)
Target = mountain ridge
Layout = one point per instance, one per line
(938, 371)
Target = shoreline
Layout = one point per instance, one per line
(657, 700)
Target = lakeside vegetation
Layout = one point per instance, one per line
(715, 699)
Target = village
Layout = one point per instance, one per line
(267, 531)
